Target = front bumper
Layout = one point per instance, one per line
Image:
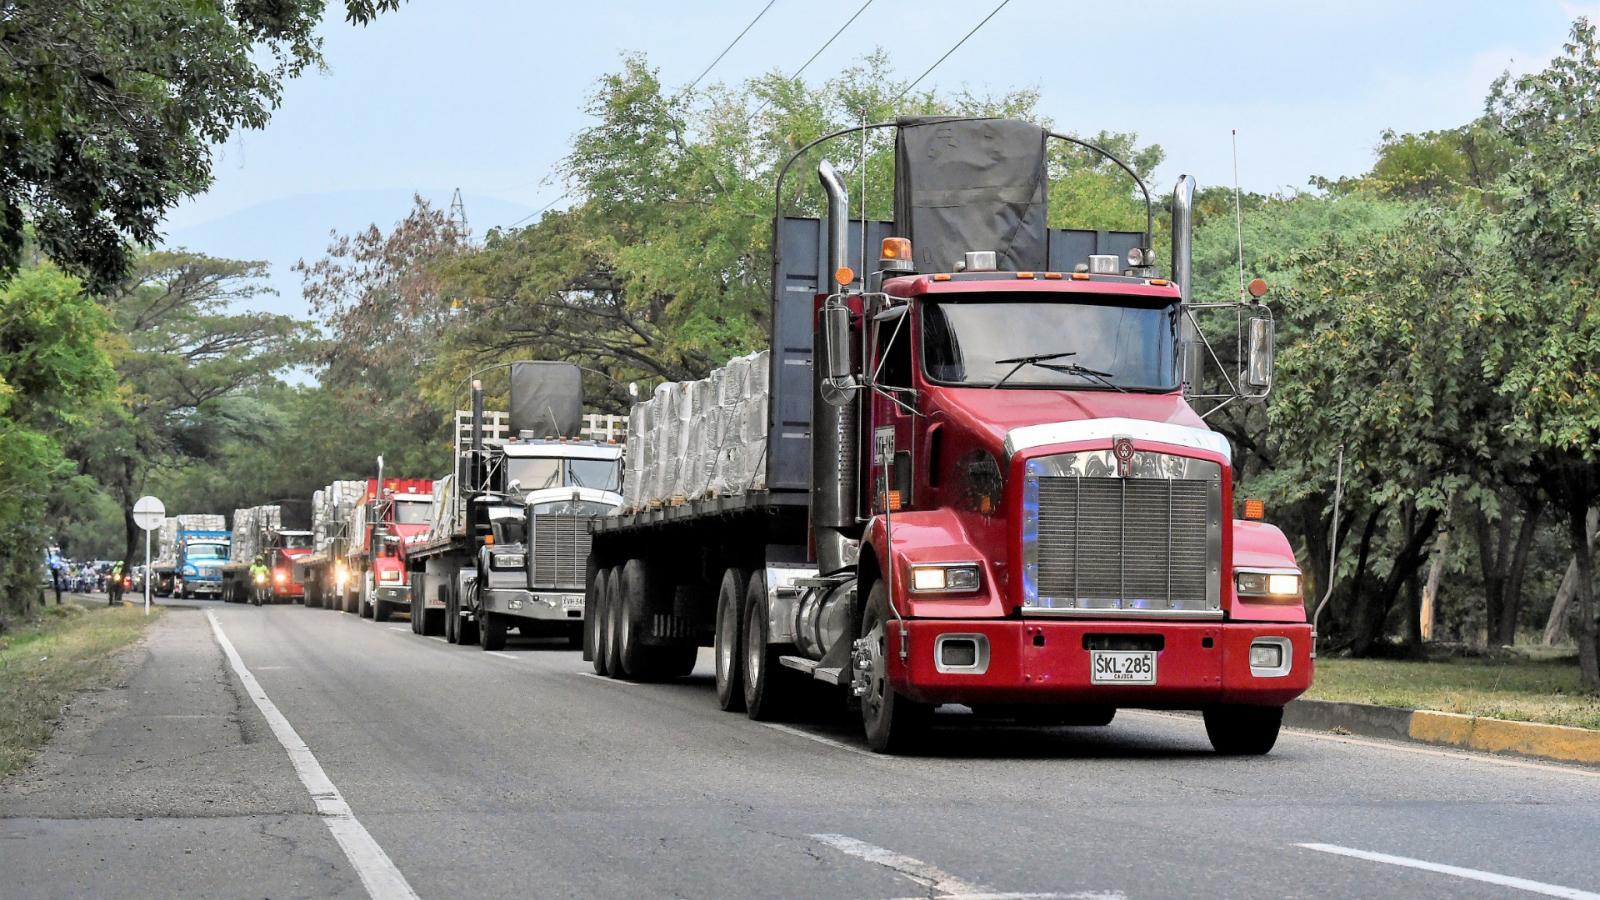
(1047, 661)
(543, 605)
(389, 593)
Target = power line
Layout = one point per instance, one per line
(546, 208)
(947, 53)
(825, 45)
(727, 48)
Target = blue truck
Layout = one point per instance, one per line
(194, 548)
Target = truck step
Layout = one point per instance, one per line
(826, 674)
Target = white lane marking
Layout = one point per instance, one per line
(435, 637)
(606, 679)
(397, 628)
(838, 745)
(379, 875)
(503, 655)
(929, 876)
(1521, 884)
(941, 884)
(1462, 755)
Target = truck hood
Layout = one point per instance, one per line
(1030, 417)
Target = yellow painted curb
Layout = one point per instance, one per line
(1561, 742)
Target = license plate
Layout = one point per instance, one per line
(1122, 667)
(572, 603)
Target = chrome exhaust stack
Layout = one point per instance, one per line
(1183, 277)
(833, 427)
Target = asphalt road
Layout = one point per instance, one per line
(450, 772)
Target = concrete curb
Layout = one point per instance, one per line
(1560, 743)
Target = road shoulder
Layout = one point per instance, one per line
(172, 767)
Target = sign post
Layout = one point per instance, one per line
(147, 514)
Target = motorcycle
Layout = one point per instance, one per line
(260, 593)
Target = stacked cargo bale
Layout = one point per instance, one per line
(633, 458)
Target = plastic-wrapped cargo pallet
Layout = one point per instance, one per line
(167, 553)
(695, 439)
(633, 458)
(753, 422)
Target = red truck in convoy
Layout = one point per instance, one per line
(359, 533)
(396, 511)
(982, 481)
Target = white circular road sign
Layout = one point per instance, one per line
(148, 513)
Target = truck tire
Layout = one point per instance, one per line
(893, 722)
(608, 639)
(418, 604)
(466, 629)
(1243, 730)
(728, 644)
(592, 618)
(452, 614)
(492, 632)
(313, 597)
(768, 687)
(629, 612)
(602, 618)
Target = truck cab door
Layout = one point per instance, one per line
(893, 425)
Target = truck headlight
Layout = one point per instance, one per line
(507, 560)
(1254, 583)
(944, 578)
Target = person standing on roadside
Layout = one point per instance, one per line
(54, 561)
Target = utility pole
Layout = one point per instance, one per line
(458, 216)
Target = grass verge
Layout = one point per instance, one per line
(1522, 690)
(42, 666)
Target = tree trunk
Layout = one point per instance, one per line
(1511, 596)
(1588, 651)
(1406, 564)
(1430, 593)
(1494, 539)
(1555, 628)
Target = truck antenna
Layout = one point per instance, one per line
(1238, 215)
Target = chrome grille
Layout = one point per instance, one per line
(1149, 544)
(560, 547)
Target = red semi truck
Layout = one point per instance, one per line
(360, 566)
(987, 486)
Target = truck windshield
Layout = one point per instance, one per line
(296, 541)
(1132, 339)
(538, 473)
(534, 473)
(600, 474)
(411, 512)
(206, 551)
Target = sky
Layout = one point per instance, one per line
(485, 95)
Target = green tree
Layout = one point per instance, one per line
(112, 111)
(53, 371)
(1550, 197)
(183, 349)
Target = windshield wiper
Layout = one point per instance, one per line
(1017, 362)
(1075, 369)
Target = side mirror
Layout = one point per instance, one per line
(1259, 356)
(837, 377)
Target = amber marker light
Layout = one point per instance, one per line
(1255, 510)
(895, 248)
